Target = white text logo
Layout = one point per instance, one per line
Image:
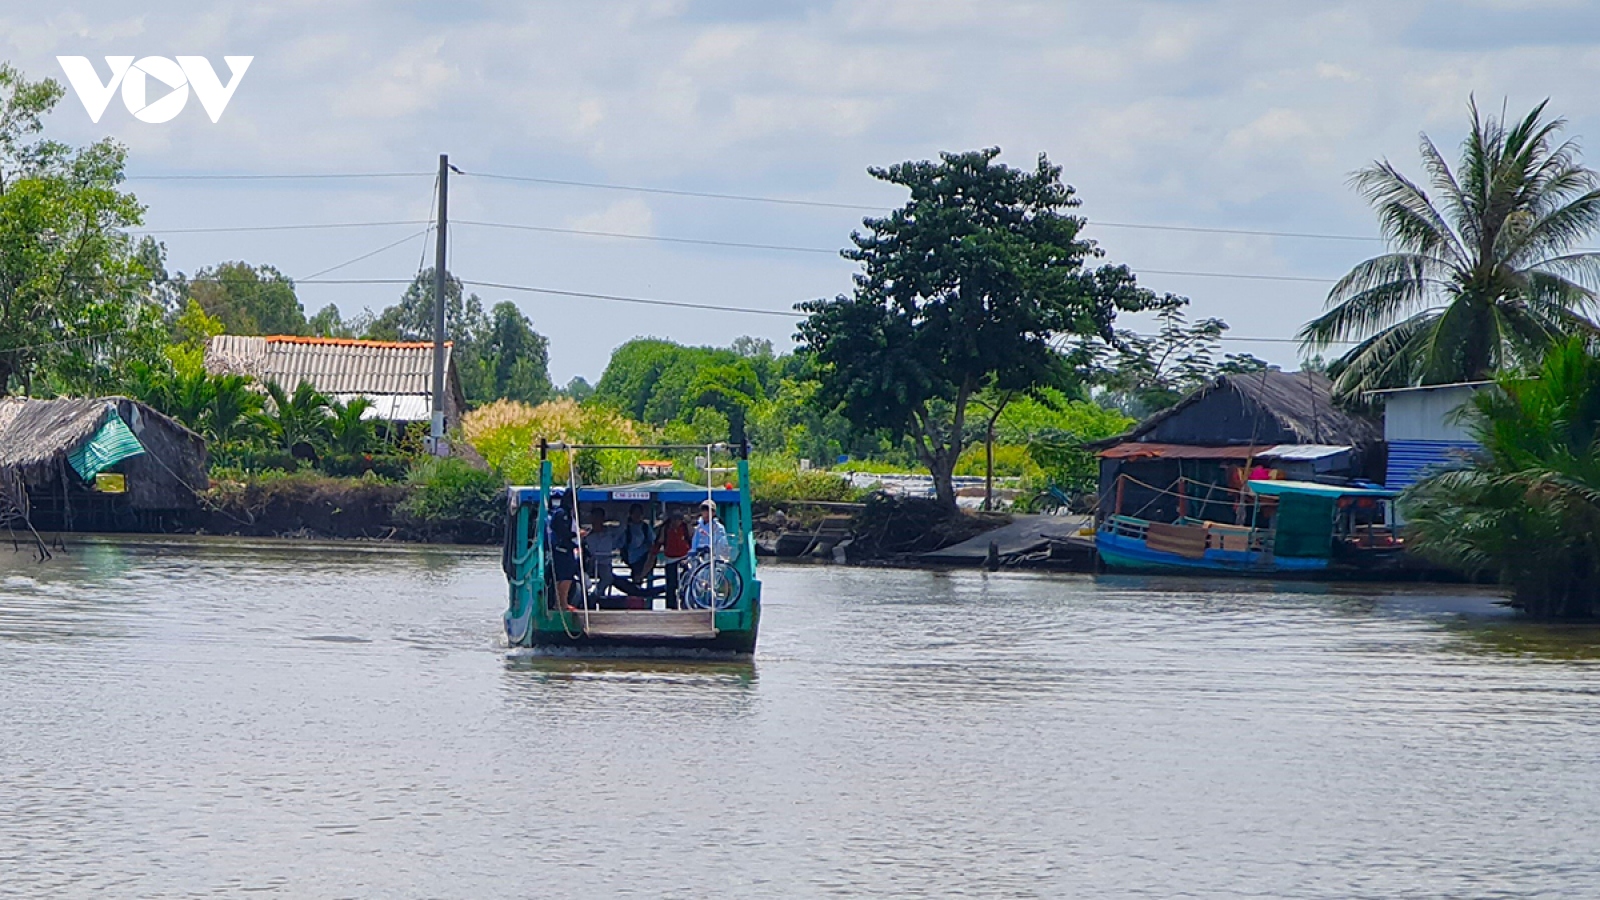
(161, 101)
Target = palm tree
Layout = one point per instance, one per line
(351, 433)
(298, 420)
(232, 413)
(1482, 276)
(1529, 507)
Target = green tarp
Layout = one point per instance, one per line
(1305, 525)
(110, 445)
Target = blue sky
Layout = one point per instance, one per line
(1239, 115)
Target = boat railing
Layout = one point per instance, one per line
(1126, 526)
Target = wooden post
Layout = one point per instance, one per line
(1120, 485)
(1183, 496)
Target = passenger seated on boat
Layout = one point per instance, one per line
(563, 549)
(600, 549)
(638, 545)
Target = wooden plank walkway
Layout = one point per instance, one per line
(645, 623)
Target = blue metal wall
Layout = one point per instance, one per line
(1411, 461)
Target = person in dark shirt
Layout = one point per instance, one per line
(563, 548)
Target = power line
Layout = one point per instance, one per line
(679, 304)
(369, 255)
(638, 189)
(301, 227)
(1248, 277)
(312, 176)
(646, 237)
(796, 249)
(789, 201)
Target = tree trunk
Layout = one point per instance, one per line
(943, 467)
(988, 467)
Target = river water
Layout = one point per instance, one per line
(208, 718)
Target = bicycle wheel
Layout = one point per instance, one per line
(697, 589)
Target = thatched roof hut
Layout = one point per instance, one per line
(56, 447)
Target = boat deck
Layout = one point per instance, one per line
(641, 623)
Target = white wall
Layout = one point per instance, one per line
(1426, 414)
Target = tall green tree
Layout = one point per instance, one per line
(411, 319)
(1529, 507)
(77, 292)
(966, 287)
(248, 299)
(516, 357)
(497, 354)
(1482, 275)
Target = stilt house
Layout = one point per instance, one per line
(96, 464)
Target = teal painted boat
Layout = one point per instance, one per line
(1296, 529)
(716, 609)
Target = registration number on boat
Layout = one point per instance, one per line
(630, 495)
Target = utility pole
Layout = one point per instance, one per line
(436, 431)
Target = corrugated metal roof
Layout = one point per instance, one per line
(1304, 451)
(394, 407)
(333, 366)
(1424, 387)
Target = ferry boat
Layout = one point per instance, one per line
(717, 608)
(1292, 528)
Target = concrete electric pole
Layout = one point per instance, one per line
(436, 431)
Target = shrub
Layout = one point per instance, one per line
(507, 434)
(451, 495)
(778, 479)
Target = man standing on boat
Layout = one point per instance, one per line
(709, 533)
(563, 548)
(673, 545)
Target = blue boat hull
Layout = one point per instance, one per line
(1129, 554)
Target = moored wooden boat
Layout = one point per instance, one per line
(1294, 528)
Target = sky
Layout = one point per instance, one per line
(1200, 114)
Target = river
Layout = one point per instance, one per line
(199, 718)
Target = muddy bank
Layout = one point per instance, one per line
(329, 508)
(885, 530)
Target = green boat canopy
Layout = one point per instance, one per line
(1312, 489)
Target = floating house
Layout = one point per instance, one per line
(1423, 430)
(1194, 458)
(96, 464)
(396, 376)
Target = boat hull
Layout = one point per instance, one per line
(727, 643)
(1130, 554)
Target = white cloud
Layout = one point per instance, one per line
(631, 216)
(1222, 113)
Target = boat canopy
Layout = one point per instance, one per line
(663, 490)
(1312, 489)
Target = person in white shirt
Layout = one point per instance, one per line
(709, 533)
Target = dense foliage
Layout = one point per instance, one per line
(78, 294)
(1483, 276)
(965, 288)
(1529, 507)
